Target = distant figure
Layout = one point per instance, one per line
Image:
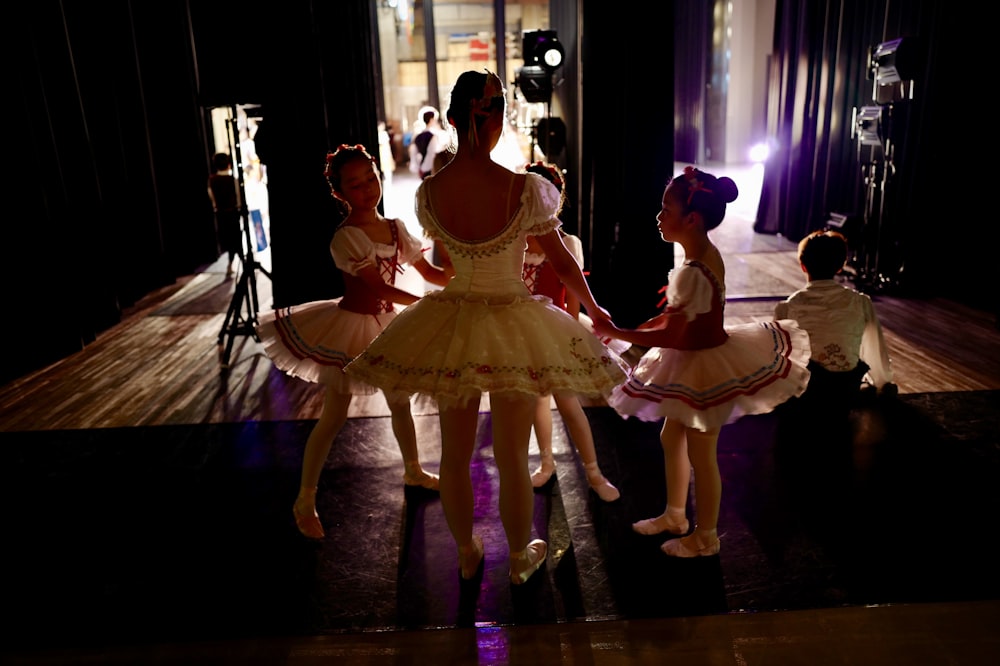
(432, 140)
(314, 341)
(224, 193)
(698, 374)
(844, 331)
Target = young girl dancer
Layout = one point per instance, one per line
(698, 374)
(542, 280)
(314, 341)
(485, 332)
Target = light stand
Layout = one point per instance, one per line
(543, 55)
(241, 317)
(892, 67)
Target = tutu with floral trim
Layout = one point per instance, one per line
(485, 332)
(755, 368)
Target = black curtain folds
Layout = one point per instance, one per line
(108, 115)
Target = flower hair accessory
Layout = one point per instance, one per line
(694, 183)
(554, 175)
(342, 147)
(482, 107)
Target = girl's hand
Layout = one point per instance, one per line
(605, 327)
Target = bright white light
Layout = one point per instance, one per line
(759, 152)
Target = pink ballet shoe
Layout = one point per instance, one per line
(526, 562)
(662, 523)
(689, 547)
(307, 520)
(599, 484)
(605, 490)
(542, 475)
(471, 558)
(422, 479)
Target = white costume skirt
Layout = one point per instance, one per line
(757, 368)
(315, 341)
(454, 347)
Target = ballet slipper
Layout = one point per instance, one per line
(306, 518)
(599, 484)
(523, 563)
(662, 523)
(471, 558)
(421, 479)
(545, 470)
(542, 475)
(691, 546)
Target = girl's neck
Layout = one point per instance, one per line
(697, 247)
(358, 217)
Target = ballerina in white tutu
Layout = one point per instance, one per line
(485, 332)
(697, 374)
(314, 341)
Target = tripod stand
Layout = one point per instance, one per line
(245, 295)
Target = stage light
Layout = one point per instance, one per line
(535, 83)
(895, 61)
(868, 125)
(542, 48)
(759, 152)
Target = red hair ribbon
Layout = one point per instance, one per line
(694, 183)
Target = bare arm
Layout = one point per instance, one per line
(433, 274)
(663, 330)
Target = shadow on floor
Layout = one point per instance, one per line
(171, 533)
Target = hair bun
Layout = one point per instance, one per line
(726, 189)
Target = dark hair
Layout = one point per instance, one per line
(470, 89)
(336, 160)
(222, 161)
(429, 115)
(823, 253)
(705, 194)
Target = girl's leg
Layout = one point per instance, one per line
(583, 439)
(677, 469)
(511, 432)
(702, 449)
(543, 434)
(406, 437)
(331, 420)
(458, 439)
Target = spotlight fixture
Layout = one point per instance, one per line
(868, 125)
(542, 48)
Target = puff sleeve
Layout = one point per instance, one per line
(689, 292)
(539, 206)
(352, 250)
(410, 248)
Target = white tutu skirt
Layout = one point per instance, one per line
(454, 347)
(760, 366)
(315, 341)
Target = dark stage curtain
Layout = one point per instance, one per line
(628, 155)
(819, 73)
(107, 116)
